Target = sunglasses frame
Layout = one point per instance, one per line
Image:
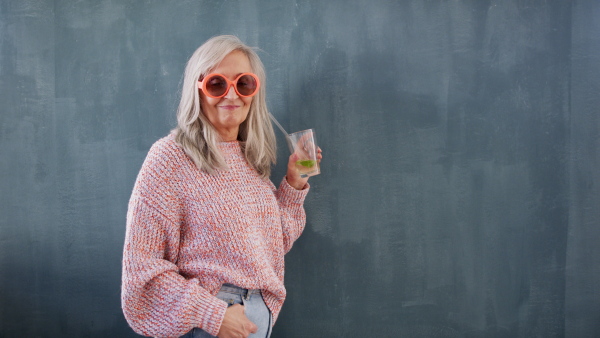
(202, 85)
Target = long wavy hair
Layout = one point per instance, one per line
(196, 134)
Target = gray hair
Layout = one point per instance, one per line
(197, 135)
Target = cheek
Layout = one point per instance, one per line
(208, 102)
(247, 101)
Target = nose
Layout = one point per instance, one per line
(231, 93)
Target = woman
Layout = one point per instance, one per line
(206, 228)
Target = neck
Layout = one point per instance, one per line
(229, 135)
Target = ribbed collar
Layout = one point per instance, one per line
(231, 148)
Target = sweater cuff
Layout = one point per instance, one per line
(210, 311)
(291, 195)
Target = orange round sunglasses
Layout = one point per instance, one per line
(216, 85)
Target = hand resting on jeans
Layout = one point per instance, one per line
(236, 324)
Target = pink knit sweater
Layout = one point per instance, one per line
(189, 232)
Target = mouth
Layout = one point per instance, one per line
(229, 107)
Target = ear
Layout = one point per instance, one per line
(199, 84)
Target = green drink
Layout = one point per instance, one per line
(306, 163)
(303, 144)
(306, 167)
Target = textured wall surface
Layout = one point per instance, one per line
(459, 192)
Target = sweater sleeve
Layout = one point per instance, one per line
(156, 299)
(293, 216)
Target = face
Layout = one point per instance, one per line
(228, 112)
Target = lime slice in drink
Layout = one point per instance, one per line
(307, 163)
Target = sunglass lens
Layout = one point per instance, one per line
(246, 85)
(216, 85)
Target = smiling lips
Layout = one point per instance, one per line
(229, 107)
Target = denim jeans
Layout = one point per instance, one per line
(254, 306)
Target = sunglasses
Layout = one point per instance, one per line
(216, 85)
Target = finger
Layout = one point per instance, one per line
(252, 328)
(292, 162)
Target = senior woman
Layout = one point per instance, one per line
(206, 228)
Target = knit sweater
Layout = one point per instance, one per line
(189, 232)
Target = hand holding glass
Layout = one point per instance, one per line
(304, 145)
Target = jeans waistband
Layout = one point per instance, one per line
(240, 291)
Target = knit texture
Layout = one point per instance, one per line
(189, 232)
